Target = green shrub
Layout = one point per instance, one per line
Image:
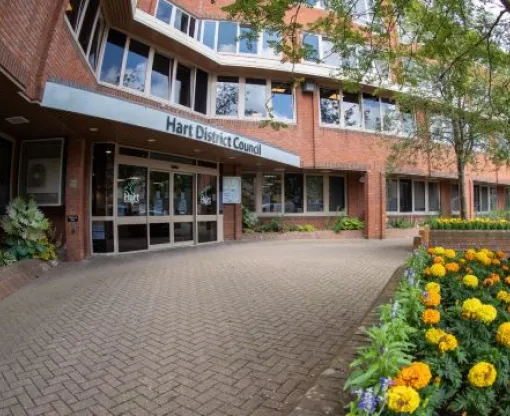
(309, 228)
(401, 223)
(276, 225)
(346, 223)
(26, 231)
(6, 258)
(250, 219)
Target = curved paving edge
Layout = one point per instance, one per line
(327, 396)
(20, 274)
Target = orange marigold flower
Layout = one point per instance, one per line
(417, 375)
(430, 317)
(431, 299)
(507, 280)
(495, 277)
(452, 267)
(488, 282)
(495, 262)
(470, 255)
(504, 268)
(500, 254)
(430, 250)
(438, 260)
(427, 271)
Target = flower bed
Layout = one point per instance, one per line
(474, 224)
(443, 346)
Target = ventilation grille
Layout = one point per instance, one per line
(17, 120)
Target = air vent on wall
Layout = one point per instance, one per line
(17, 120)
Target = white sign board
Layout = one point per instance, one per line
(231, 190)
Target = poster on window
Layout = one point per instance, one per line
(43, 178)
(231, 190)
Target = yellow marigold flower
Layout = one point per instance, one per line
(507, 280)
(452, 267)
(438, 260)
(486, 313)
(503, 295)
(447, 343)
(434, 335)
(431, 316)
(439, 251)
(500, 254)
(503, 335)
(450, 254)
(433, 287)
(469, 308)
(495, 262)
(470, 255)
(417, 375)
(403, 399)
(470, 281)
(482, 375)
(431, 299)
(438, 270)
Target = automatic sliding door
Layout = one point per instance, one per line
(207, 208)
(159, 208)
(184, 219)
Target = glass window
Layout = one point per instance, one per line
(507, 198)
(192, 26)
(132, 237)
(181, 21)
(159, 233)
(136, 65)
(406, 195)
(282, 100)
(207, 231)
(271, 193)
(207, 192)
(164, 11)
(210, 34)
(183, 231)
(74, 10)
(408, 123)
(351, 110)
(493, 199)
(314, 193)
(5, 173)
(227, 36)
(455, 198)
(433, 196)
(477, 198)
(248, 188)
(88, 24)
(95, 45)
(102, 237)
(131, 191)
(182, 89)
(159, 203)
(390, 115)
(419, 196)
(160, 76)
(246, 43)
(330, 56)
(391, 195)
(484, 199)
(255, 101)
(371, 112)
(269, 40)
(311, 45)
(330, 107)
(227, 96)
(129, 151)
(363, 10)
(201, 91)
(183, 194)
(293, 186)
(336, 194)
(103, 164)
(112, 57)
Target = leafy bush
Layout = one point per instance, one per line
(276, 225)
(474, 224)
(309, 228)
(346, 223)
(26, 231)
(250, 219)
(6, 258)
(401, 223)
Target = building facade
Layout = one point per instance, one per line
(137, 125)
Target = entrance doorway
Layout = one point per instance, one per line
(6, 154)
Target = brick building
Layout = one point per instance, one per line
(137, 125)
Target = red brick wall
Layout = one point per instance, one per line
(232, 214)
(462, 240)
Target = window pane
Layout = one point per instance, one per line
(433, 196)
(390, 115)
(247, 45)
(73, 12)
(330, 57)
(282, 100)
(103, 163)
(182, 90)
(477, 198)
(248, 181)
(330, 107)
(209, 34)
(132, 237)
(88, 24)
(271, 193)
(159, 203)
(136, 65)
(112, 59)
(164, 12)
(269, 39)
(207, 194)
(408, 123)
(207, 231)
(351, 110)
(159, 233)
(192, 26)
(336, 194)
(484, 199)
(102, 237)
(181, 21)
(493, 199)
(131, 191)
(227, 35)
(391, 195)
(255, 100)
(311, 43)
(95, 46)
(419, 196)
(314, 194)
(227, 96)
(183, 231)
(201, 91)
(160, 76)
(406, 196)
(293, 192)
(455, 198)
(507, 198)
(371, 112)
(183, 194)
(5, 173)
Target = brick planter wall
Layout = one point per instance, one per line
(464, 239)
(20, 274)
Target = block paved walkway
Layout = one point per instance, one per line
(234, 329)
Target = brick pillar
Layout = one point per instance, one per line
(501, 197)
(375, 203)
(445, 204)
(232, 214)
(75, 199)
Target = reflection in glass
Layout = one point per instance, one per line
(352, 110)
(181, 21)
(159, 233)
(336, 193)
(255, 98)
(103, 164)
(227, 96)
(201, 91)
(331, 57)
(311, 45)
(102, 237)
(160, 77)
(433, 196)
(95, 46)
(131, 191)
(248, 181)
(271, 193)
(112, 57)
(136, 65)
(390, 115)
(183, 231)
(87, 24)
(206, 194)
(293, 192)
(209, 34)
(330, 107)
(269, 41)
(207, 231)
(315, 193)
(282, 100)
(182, 90)
(164, 12)
(246, 43)
(227, 35)
(419, 196)
(406, 195)
(391, 195)
(408, 123)
(183, 194)
(132, 237)
(455, 197)
(159, 204)
(371, 112)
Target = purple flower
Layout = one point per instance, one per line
(385, 383)
(368, 401)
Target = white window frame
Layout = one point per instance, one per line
(172, 18)
(489, 190)
(427, 201)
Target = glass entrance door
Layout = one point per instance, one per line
(159, 208)
(184, 215)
